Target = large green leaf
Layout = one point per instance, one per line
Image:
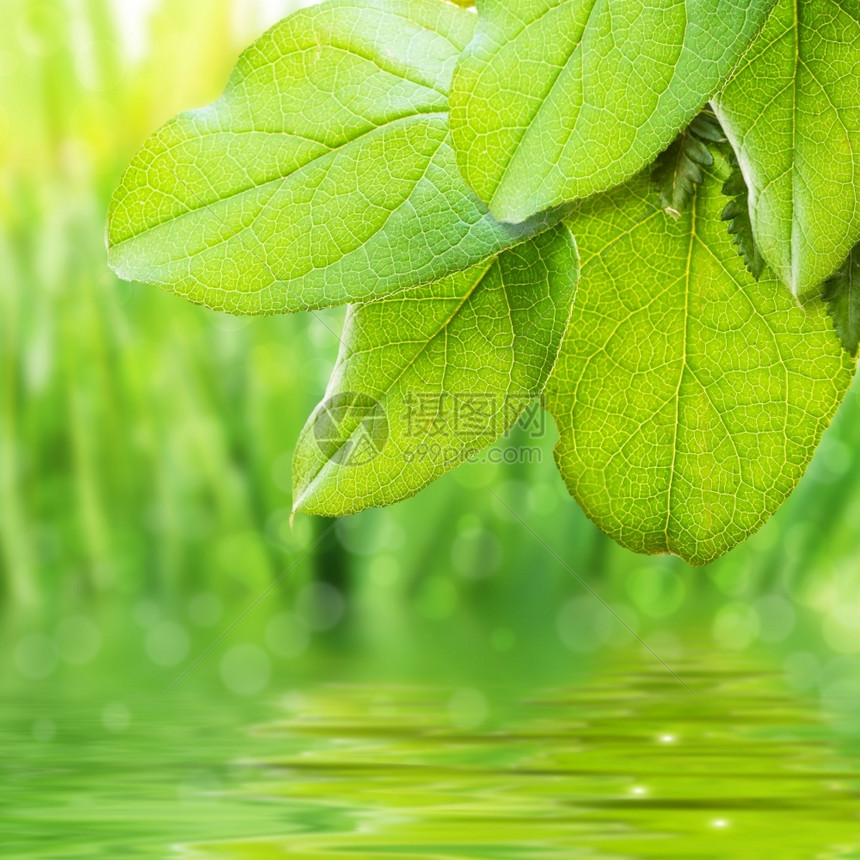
(792, 114)
(428, 379)
(689, 397)
(324, 175)
(558, 99)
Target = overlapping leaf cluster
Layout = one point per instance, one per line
(429, 166)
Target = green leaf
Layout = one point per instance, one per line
(792, 114)
(555, 100)
(679, 169)
(842, 295)
(324, 175)
(426, 380)
(689, 398)
(737, 213)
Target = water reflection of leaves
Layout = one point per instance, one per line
(586, 772)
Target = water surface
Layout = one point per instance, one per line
(626, 763)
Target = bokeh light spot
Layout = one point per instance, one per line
(584, 624)
(167, 643)
(246, 669)
(78, 640)
(35, 656)
(735, 626)
(287, 635)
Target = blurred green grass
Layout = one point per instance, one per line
(145, 444)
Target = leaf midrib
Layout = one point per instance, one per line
(795, 226)
(685, 367)
(421, 115)
(677, 424)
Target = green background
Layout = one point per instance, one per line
(438, 679)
